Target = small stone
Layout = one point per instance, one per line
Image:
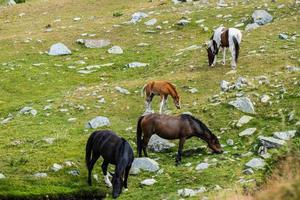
(256, 163)
(202, 166)
(74, 172)
(248, 171)
(40, 175)
(186, 192)
(239, 25)
(148, 181)
(247, 132)
(96, 43)
(243, 120)
(183, 22)
(283, 36)
(72, 119)
(224, 85)
(285, 135)
(115, 50)
(146, 164)
(193, 90)
(59, 49)
(244, 104)
(136, 17)
(261, 17)
(292, 68)
(49, 140)
(158, 144)
(56, 167)
(265, 98)
(28, 110)
(230, 142)
(122, 90)
(271, 142)
(98, 121)
(151, 22)
(136, 64)
(2, 176)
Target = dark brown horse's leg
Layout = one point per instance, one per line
(126, 176)
(90, 167)
(145, 144)
(178, 158)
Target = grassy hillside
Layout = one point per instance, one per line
(30, 77)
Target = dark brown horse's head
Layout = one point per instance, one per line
(214, 144)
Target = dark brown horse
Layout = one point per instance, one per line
(180, 127)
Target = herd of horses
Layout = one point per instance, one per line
(117, 151)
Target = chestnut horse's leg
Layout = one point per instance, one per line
(162, 103)
(178, 158)
(106, 176)
(149, 100)
(91, 166)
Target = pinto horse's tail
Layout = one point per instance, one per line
(139, 136)
(237, 48)
(88, 149)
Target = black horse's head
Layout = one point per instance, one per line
(117, 183)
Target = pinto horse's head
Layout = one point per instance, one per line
(212, 51)
(117, 183)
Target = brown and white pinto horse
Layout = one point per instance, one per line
(180, 127)
(162, 89)
(225, 38)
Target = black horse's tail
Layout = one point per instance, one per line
(139, 136)
(237, 48)
(88, 149)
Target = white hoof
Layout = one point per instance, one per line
(107, 181)
(126, 189)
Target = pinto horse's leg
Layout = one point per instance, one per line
(106, 176)
(126, 176)
(224, 55)
(90, 167)
(178, 158)
(233, 63)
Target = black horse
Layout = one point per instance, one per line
(114, 150)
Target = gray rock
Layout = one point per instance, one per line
(151, 22)
(122, 90)
(247, 132)
(56, 167)
(136, 64)
(146, 164)
(6, 120)
(271, 142)
(230, 142)
(292, 68)
(74, 172)
(115, 50)
(186, 192)
(261, 17)
(251, 27)
(89, 43)
(239, 25)
(240, 82)
(49, 140)
(134, 171)
(183, 22)
(2, 176)
(59, 49)
(193, 90)
(158, 144)
(224, 85)
(243, 120)
(283, 36)
(98, 121)
(148, 182)
(244, 104)
(265, 98)
(256, 163)
(40, 175)
(248, 171)
(285, 135)
(28, 110)
(138, 16)
(202, 166)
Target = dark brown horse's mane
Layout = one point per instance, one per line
(192, 118)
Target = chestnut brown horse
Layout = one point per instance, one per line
(180, 127)
(162, 89)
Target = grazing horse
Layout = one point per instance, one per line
(114, 150)
(162, 89)
(180, 127)
(225, 38)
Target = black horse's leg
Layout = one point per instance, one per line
(104, 170)
(178, 158)
(126, 176)
(91, 165)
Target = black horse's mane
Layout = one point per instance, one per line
(192, 118)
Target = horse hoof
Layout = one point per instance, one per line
(126, 189)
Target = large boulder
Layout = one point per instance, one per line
(144, 163)
(59, 49)
(247, 132)
(158, 144)
(261, 17)
(93, 43)
(285, 135)
(243, 120)
(243, 104)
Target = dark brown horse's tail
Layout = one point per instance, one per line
(88, 149)
(139, 136)
(237, 48)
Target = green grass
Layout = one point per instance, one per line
(22, 84)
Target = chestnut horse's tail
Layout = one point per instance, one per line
(139, 133)
(88, 149)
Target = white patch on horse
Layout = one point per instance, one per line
(107, 181)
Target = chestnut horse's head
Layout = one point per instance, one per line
(177, 102)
